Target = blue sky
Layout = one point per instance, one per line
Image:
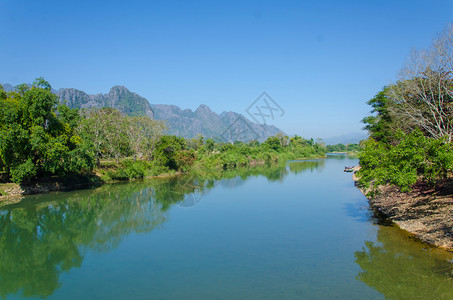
(319, 60)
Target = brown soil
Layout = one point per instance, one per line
(426, 212)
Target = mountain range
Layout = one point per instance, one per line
(350, 138)
(227, 126)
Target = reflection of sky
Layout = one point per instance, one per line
(299, 236)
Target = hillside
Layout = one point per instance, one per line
(119, 97)
(227, 126)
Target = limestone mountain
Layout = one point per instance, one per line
(119, 98)
(227, 126)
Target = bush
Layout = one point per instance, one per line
(413, 157)
(185, 159)
(129, 170)
(23, 172)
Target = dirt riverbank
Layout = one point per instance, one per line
(12, 192)
(426, 212)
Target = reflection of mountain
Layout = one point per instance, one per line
(398, 267)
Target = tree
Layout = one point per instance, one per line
(34, 139)
(105, 130)
(167, 151)
(114, 135)
(209, 145)
(379, 125)
(143, 133)
(273, 142)
(423, 97)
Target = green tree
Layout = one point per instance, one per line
(380, 125)
(34, 139)
(209, 145)
(167, 151)
(273, 143)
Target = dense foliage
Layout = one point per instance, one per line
(37, 137)
(343, 148)
(40, 138)
(413, 157)
(411, 128)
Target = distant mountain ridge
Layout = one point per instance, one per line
(351, 138)
(227, 126)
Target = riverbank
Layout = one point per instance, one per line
(12, 192)
(425, 212)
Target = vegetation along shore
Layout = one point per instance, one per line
(46, 146)
(406, 164)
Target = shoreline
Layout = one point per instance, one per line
(425, 213)
(12, 192)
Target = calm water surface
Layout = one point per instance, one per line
(301, 230)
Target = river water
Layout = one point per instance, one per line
(295, 231)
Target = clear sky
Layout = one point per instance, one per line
(319, 60)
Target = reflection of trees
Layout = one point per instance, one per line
(175, 190)
(401, 268)
(276, 172)
(237, 177)
(39, 240)
(297, 167)
(340, 156)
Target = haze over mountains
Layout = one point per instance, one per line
(227, 126)
(351, 138)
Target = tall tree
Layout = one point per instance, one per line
(423, 97)
(34, 139)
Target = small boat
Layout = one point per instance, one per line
(349, 169)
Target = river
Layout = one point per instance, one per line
(300, 230)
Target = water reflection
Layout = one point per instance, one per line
(45, 235)
(402, 268)
(297, 167)
(40, 240)
(340, 156)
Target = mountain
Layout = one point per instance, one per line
(8, 87)
(119, 97)
(350, 138)
(227, 126)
